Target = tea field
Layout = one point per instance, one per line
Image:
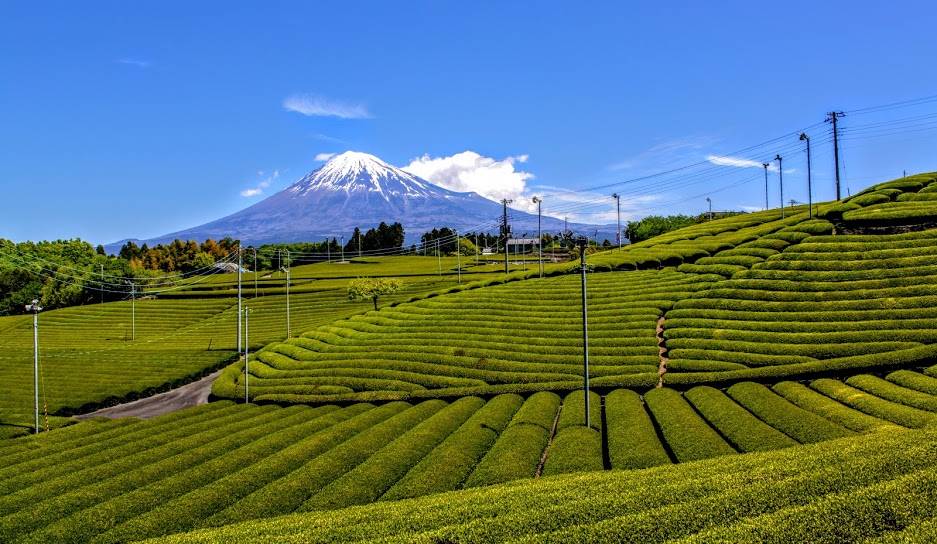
(124, 480)
(761, 377)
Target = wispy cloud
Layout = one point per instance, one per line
(322, 157)
(317, 106)
(134, 62)
(330, 139)
(264, 183)
(665, 153)
(738, 162)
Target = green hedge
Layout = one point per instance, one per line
(369, 480)
(744, 431)
(517, 452)
(632, 439)
(799, 424)
(873, 405)
(191, 509)
(895, 393)
(812, 401)
(689, 437)
(914, 380)
(447, 466)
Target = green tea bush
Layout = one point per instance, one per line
(812, 401)
(743, 430)
(632, 440)
(870, 404)
(447, 466)
(689, 437)
(517, 452)
(799, 424)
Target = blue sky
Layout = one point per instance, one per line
(126, 119)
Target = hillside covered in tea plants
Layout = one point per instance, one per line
(768, 376)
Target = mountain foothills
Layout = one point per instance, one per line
(761, 377)
(357, 190)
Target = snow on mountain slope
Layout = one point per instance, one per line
(356, 189)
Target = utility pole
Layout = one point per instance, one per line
(805, 138)
(328, 249)
(254, 249)
(343, 249)
(133, 311)
(458, 253)
(247, 322)
(240, 308)
(438, 258)
(781, 179)
(766, 184)
(359, 243)
(618, 211)
(289, 331)
(709, 200)
(539, 201)
(832, 118)
(505, 231)
(35, 309)
(583, 242)
(476, 249)
(102, 284)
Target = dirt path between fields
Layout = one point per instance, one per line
(662, 352)
(191, 394)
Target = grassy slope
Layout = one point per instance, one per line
(221, 463)
(798, 494)
(87, 358)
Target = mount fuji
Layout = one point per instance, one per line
(356, 189)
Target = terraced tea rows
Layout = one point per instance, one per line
(88, 358)
(518, 336)
(882, 485)
(224, 463)
(825, 303)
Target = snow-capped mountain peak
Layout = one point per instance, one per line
(357, 172)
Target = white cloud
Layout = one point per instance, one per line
(665, 153)
(738, 162)
(134, 62)
(261, 185)
(588, 207)
(322, 157)
(318, 106)
(469, 171)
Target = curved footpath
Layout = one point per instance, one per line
(191, 394)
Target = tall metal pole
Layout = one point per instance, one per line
(618, 211)
(539, 201)
(804, 137)
(458, 252)
(343, 249)
(438, 257)
(289, 330)
(255, 271)
(359, 243)
(781, 180)
(247, 321)
(133, 311)
(710, 202)
(505, 231)
(831, 118)
(240, 308)
(476, 249)
(766, 184)
(35, 309)
(583, 242)
(328, 249)
(102, 284)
